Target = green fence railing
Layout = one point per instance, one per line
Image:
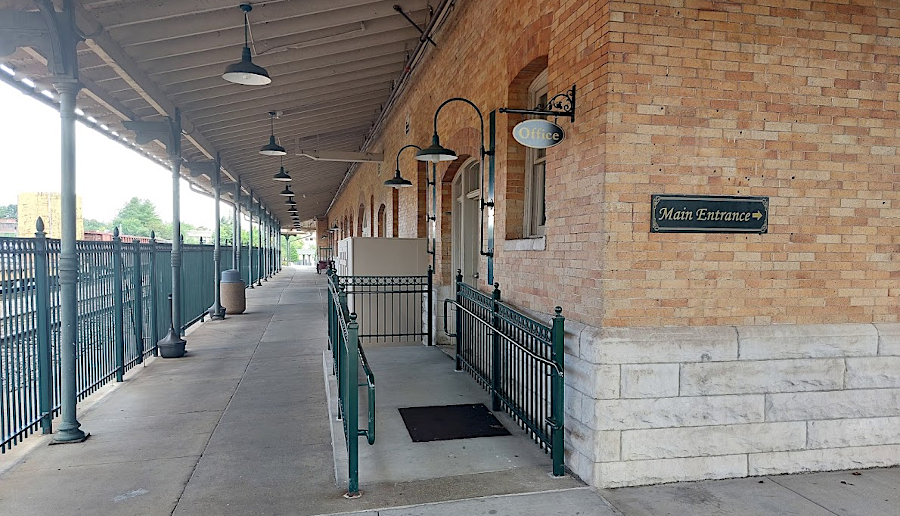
(122, 296)
(518, 359)
(349, 357)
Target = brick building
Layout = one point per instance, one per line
(689, 355)
(45, 205)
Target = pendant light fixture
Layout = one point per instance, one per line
(244, 71)
(287, 192)
(282, 175)
(290, 202)
(272, 148)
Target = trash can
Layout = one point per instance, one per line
(234, 298)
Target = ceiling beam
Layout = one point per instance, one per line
(107, 49)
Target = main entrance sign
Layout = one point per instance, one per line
(538, 134)
(709, 214)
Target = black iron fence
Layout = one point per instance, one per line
(122, 311)
(519, 360)
(391, 308)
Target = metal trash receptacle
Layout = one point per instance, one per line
(234, 295)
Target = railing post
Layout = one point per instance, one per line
(557, 393)
(118, 305)
(342, 304)
(351, 414)
(154, 296)
(430, 306)
(138, 309)
(329, 308)
(42, 284)
(495, 347)
(459, 334)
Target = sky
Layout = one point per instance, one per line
(108, 174)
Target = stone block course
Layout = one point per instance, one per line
(700, 441)
(659, 345)
(873, 372)
(842, 433)
(807, 341)
(762, 376)
(803, 406)
(777, 463)
(643, 472)
(649, 380)
(624, 414)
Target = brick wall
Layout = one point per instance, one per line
(793, 100)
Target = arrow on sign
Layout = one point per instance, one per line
(756, 215)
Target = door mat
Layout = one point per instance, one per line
(451, 422)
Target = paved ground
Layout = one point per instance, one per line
(240, 426)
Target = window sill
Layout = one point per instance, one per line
(526, 244)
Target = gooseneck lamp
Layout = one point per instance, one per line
(397, 181)
(244, 71)
(435, 152)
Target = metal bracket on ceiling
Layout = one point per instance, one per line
(423, 36)
(560, 105)
(347, 157)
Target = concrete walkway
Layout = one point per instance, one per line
(240, 426)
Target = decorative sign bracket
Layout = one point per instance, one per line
(560, 105)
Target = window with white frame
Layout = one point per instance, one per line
(535, 169)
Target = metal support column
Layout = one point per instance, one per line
(174, 148)
(259, 248)
(250, 281)
(69, 428)
(236, 248)
(217, 312)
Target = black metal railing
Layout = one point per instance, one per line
(519, 360)
(122, 312)
(391, 308)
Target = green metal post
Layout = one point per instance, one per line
(338, 353)
(250, 281)
(138, 309)
(175, 160)
(495, 347)
(259, 233)
(69, 428)
(42, 284)
(351, 416)
(154, 296)
(118, 305)
(430, 302)
(236, 247)
(217, 312)
(459, 279)
(557, 393)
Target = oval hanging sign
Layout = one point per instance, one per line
(538, 134)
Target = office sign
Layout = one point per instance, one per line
(709, 214)
(538, 134)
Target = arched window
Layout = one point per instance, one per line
(381, 221)
(360, 223)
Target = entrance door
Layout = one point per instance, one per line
(466, 199)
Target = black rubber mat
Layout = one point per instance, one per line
(451, 422)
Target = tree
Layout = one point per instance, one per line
(291, 255)
(95, 225)
(226, 228)
(138, 217)
(9, 212)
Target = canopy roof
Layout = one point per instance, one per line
(334, 64)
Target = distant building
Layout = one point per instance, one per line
(107, 236)
(47, 206)
(8, 227)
